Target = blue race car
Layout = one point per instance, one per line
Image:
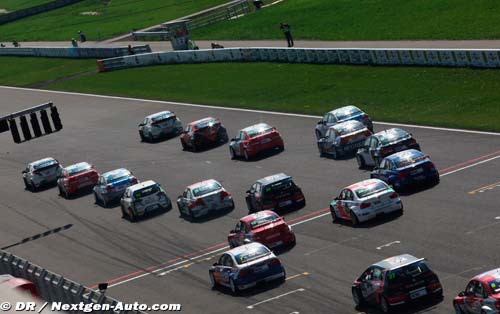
(112, 184)
(406, 168)
(245, 266)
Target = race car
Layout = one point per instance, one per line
(246, 266)
(395, 281)
(274, 193)
(159, 125)
(112, 184)
(77, 177)
(365, 200)
(202, 133)
(254, 139)
(407, 168)
(265, 227)
(20, 284)
(340, 115)
(383, 144)
(204, 198)
(142, 198)
(481, 295)
(40, 173)
(343, 139)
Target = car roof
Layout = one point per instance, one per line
(351, 124)
(204, 182)
(141, 185)
(43, 160)
(253, 216)
(363, 183)
(273, 178)
(388, 132)
(166, 112)
(78, 165)
(488, 275)
(257, 126)
(240, 249)
(396, 157)
(114, 172)
(398, 261)
(349, 108)
(201, 120)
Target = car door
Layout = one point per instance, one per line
(125, 200)
(257, 198)
(473, 299)
(366, 286)
(237, 234)
(373, 151)
(225, 268)
(238, 143)
(217, 270)
(348, 202)
(340, 205)
(184, 201)
(332, 120)
(328, 140)
(250, 198)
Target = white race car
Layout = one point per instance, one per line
(41, 172)
(204, 198)
(365, 200)
(158, 125)
(142, 198)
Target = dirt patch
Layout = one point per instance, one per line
(3, 11)
(91, 13)
(62, 79)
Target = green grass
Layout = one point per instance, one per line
(366, 20)
(460, 98)
(115, 17)
(24, 71)
(12, 5)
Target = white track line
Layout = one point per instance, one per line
(238, 109)
(276, 297)
(470, 166)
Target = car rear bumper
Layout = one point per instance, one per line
(393, 207)
(245, 285)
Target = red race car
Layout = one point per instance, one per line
(202, 133)
(481, 296)
(76, 177)
(265, 227)
(254, 139)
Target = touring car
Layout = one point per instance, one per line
(255, 139)
(365, 200)
(20, 284)
(246, 266)
(112, 184)
(142, 198)
(265, 227)
(481, 295)
(202, 133)
(158, 125)
(77, 177)
(274, 192)
(383, 144)
(343, 139)
(204, 198)
(395, 281)
(340, 115)
(42, 172)
(407, 168)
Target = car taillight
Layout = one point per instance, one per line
(402, 174)
(110, 188)
(385, 150)
(134, 180)
(434, 286)
(394, 195)
(198, 202)
(364, 117)
(429, 165)
(275, 261)
(224, 194)
(244, 272)
(364, 205)
(412, 141)
(343, 141)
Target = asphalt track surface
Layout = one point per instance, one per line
(165, 259)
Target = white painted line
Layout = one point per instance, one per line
(239, 109)
(274, 298)
(470, 166)
(388, 244)
(497, 217)
(309, 219)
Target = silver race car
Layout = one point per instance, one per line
(41, 173)
(342, 115)
(343, 139)
(158, 125)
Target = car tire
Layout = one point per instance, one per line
(318, 134)
(96, 199)
(141, 135)
(357, 297)
(231, 153)
(151, 137)
(184, 146)
(245, 154)
(26, 185)
(233, 287)
(334, 215)
(131, 215)
(104, 203)
(384, 306)
(231, 207)
(335, 154)
(124, 214)
(213, 283)
(361, 162)
(249, 206)
(354, 219)
(281, 148)
(222, 137)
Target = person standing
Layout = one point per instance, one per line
(288, 35)
(83, 38)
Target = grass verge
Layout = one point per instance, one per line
(13, 5)
(365, 20)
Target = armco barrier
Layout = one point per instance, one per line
(72, 52)
(482, 58)
(53, 287)
(19, 14)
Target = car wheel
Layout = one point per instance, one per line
(96, 199)
(131, 215)
(354, 219)
(361, 162)
(141, 135)
(232, 285)
(334, 154)
(334, 215)
(457, 308)
(318, 134)
(223, 137)
(249, 206)
(384, 306)
(184, 147)
(231, 153)
(213, 283)
(104, 203)
(280, 148)
(232, 205)
(26, 185)
(245, 153)
(124, 214)
(151, 137)
(357, 297)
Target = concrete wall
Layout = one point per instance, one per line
(72, 52)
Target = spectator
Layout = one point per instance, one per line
(2, 45)
(83, 38)
(257, 4)
(15, 44)
(217, 46)
(131, 50)
(288, 35)
(74, 43)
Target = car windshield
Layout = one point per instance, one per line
(405, 274)
(392, 135)
(348, 127)
(370, 189)
(279, 187)
(45, 165)
(78, 168)
(146, 191)
(206, 187)
(408, 158)
(494, 285)
(162, 117)
(251, 254)
(258, 129)
(262, 219)
(116, 176)
(206, 123)
(346, 113)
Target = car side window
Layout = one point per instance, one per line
(185, 193)
(382, 164)
(242, 136)
(244, 228)
(252, 188)
(479, 290)
(368, 275)
(388, 165)
(331, 118)
(377, 274)
(350, 195)
(373, 143)
(258, 188)
(469, 290)
(221, 259)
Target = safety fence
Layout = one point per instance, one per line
(19, 14)
(72, 52)
(418, 57)
(53, 287)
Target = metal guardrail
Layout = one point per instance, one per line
(72, 52)
(53, 287)
(227, 13)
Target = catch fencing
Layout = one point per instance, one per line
(53, 287)
(479, 58)
(19, 14)
(72, 52)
